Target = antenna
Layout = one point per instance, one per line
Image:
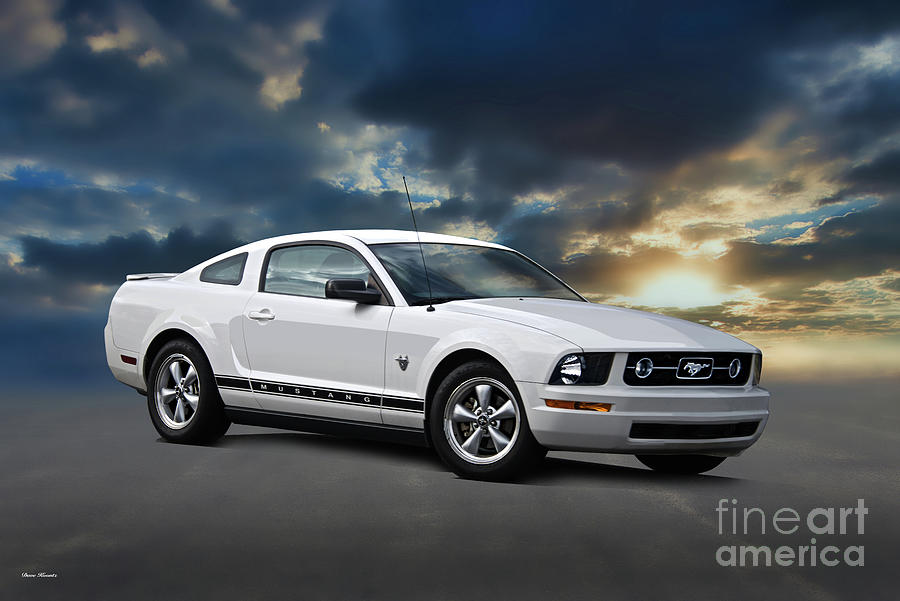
(421, 251)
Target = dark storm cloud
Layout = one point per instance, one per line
(31, 291)
(129, 126)
(628, 82)
(520, 90)
(855, 245)
(109, 261)
(319, 206)
(618, 111)
(870, 108)
(786, 186)
(881, 175)
(194, 122)
(541, 236)
(59, 275)
(82, 211)
(544, 235)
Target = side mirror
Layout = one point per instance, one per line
(352, 289)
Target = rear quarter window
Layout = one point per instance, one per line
(228, 271)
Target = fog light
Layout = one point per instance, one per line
(643, 368)
(578, 405)
(734, 369)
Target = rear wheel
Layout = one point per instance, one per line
(680, 464)
(478, 425)
(182, 396)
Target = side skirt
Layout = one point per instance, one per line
(320, 425)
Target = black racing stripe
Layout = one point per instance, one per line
(328, 395)
(318, 394)
(233, 382)
(391, 402)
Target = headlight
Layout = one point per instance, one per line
(583, 368)
(570, 369)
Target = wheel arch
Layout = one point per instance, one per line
(161, 339)
(451, 362)
(447, 365)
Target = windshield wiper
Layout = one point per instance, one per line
(440, 299)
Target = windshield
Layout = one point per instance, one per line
(459, 271)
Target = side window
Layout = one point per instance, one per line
(227, 271)
(304, 270)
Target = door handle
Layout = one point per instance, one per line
(264, 315)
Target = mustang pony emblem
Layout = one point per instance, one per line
(694, 368)
(402, 361)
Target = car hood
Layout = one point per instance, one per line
(602, 327)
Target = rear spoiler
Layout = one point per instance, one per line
(149, 276)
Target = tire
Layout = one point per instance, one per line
(462, 433)
(680, 464)
(189, 411)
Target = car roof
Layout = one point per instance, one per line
(371, 237)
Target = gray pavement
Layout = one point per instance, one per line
(90, 493)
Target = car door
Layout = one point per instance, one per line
(309, 354)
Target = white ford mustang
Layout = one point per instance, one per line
(490, 359)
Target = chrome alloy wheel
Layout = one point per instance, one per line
(481, 420)
(177, 391)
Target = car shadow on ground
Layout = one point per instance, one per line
(563, 470)
(550, 471)
(421, 457)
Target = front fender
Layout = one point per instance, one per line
(528, 356)
(426, 339)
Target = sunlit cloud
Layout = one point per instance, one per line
(683, 290)
(29, 33)
(471, 229)
(225, 7)
(279, 54)
(137, 34)
(121, 39)
(278, 89)
(151, 57)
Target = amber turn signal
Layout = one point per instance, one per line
(578, 405)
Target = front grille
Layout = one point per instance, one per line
(693, 431)
(674, 369)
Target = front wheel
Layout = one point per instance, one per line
(478, 425)
(182, 396)
(680, 464)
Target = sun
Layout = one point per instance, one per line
(681, 289)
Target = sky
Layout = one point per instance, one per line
(731, 163)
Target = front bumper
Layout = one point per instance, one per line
(566, 429)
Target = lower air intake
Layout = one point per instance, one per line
(692, 431)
